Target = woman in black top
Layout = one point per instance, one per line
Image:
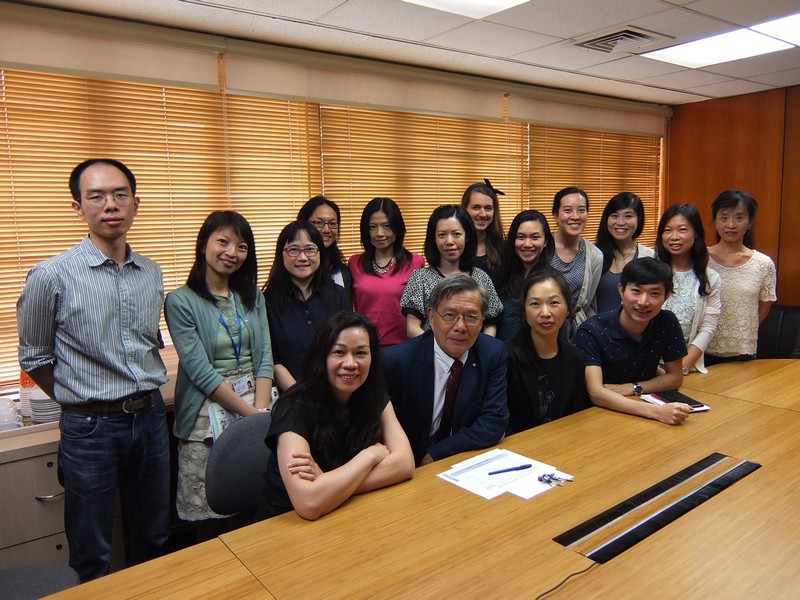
(335, 433)
(545, 373)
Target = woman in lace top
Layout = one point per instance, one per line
(695, 298)
(748, 278)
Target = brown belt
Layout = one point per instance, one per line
(128, 404)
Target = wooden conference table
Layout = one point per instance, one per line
(427, 538)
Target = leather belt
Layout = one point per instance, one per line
(128, 404)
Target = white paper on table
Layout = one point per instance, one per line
(473, 474)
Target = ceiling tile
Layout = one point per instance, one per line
(631, 68)
(564, 55)
(730, 88)
(758, 65)
(687, 78)
(681, 25)
(781, 78)
(747, 12)
(491, 39)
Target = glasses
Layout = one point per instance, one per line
(470, 320)
(100, 198)
(294, 251)
(332, 225)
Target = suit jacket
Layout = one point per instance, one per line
(480, 414)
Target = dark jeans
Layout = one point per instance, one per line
(96, 455)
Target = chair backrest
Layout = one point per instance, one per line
(236, 465)
(778, 333)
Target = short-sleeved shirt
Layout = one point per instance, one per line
(290, 416)
(292, 326)
(606, 344)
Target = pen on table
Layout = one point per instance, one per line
(509, 469)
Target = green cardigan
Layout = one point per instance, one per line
(192, 323)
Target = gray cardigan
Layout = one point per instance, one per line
(192, 323)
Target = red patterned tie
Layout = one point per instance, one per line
(450, 391)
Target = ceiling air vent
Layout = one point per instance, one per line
(625, 40)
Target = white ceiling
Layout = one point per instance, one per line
(534, 43)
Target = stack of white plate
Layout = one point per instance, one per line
(43, 408)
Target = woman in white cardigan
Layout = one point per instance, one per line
(576, 258)
(695, 298)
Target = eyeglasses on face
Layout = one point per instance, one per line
(451, 318)
(120, 197)
(295, 251)
(319, 224)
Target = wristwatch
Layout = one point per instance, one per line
(637, 389)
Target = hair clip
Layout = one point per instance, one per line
(494, 189)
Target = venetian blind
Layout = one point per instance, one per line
(418, 160)
(600, 163)
(192, 151)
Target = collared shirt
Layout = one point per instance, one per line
(442, 363)
(95, 321)
(606, 344)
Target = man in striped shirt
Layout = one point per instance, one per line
(88, 324)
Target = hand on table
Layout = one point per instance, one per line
(673, 413)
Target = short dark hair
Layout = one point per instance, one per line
(523, 335)
(566, 192)
(647, 271)
(75, 176)
(604, 240)
(448, 211)
(457, 284)
(245, 280)
(732, 199)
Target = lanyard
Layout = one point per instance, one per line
(237, 347)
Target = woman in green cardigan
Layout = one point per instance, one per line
(218, 324)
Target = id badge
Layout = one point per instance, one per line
(244, 384)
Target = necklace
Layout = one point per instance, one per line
(384, 269)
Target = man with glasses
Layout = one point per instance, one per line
(88, 324)
(448, 385)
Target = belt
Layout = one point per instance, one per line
(128, 404)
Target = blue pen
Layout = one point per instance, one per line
(509, 469)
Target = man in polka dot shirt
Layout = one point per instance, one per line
(623, 348)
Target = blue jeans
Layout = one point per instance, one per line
(97, 454)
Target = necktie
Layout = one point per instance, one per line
(450, 391)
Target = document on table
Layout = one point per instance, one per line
(473, 474)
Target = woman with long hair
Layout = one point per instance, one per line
(545, 374)
(381, 272)
(218, 324)
(695, 297)
(300, 295)
(529, 247)
(577, 259)
(335, 433)
(324, 214)
(480, 202)
(450, 243)
(620, 226)
(748, 278)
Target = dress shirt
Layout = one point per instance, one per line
(442, 363)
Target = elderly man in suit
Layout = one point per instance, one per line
(448, 386)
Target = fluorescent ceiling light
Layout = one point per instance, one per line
(786, 29)
(475, 9)
(733, 45)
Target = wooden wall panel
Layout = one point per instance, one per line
(789, 253)
(729, 143)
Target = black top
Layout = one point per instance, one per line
(291, 416)
(292, 326)
(541, 390)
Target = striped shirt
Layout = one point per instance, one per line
(95, 321)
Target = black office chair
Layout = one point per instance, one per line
(30, 583)
(236, 466)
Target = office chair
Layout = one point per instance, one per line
(30, 583)
(236, 466)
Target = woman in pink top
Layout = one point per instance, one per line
(381, 272)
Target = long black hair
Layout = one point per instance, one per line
(494, 233)
(699, 253)
(243, 281)
(392, 211)
(448, 211)
(279, 287)
(339, 435)
(334, 259)
(511, 275)
(604, 240)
